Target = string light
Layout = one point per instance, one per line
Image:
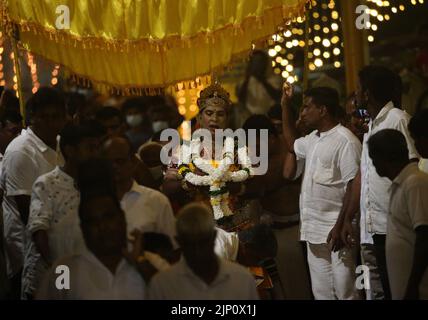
(318, 62)
(55, 72)
(15, 79)
(33, 71)
(323, 41)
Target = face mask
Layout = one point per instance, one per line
(159, 125)
(134, 120)
(156, 172)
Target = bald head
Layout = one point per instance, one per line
(195, 221)
(196, 235)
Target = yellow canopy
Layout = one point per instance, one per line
(126, 44)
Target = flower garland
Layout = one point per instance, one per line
(218, 173)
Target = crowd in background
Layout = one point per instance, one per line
(83, 186)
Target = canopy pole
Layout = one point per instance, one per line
(355, 47)
(14, 42)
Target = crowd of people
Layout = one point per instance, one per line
(89, 210)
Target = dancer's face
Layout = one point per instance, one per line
(213, 117)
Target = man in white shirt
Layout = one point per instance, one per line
(330, 157)
(407, 231)
(201, 274)
(11, 127)
(375, 92)
(145, 209)
(100, 272)
(53, 227)
(27, 157)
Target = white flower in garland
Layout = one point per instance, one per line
(218, 175)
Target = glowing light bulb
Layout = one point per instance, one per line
(326, 43)
(272, 52)
(318, 62)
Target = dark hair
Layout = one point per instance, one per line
(72, 135)
(156, 242)
(46, 97)
(85, 198)
(418, 124)
(139, 103)
(398, 90)
(388, 144)
(275, 112)
(260, 238)
(95, 176)
(107, 113)
(11, 116)
(9, 101)
(74, 102)
(325, 96)
(381, 83)
(341, 115)
(258, 122)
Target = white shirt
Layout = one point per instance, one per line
(423, 165)
(26, 158)
(226, 244)
(375, 196)
(148, 210)
(408, 210)
(91, 280)
(233, 282)
(55, 208)
(331, 160)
